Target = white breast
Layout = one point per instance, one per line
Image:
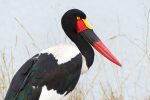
(50, 94)
(84, 66)
(63, 52)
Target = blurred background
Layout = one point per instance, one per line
(29, 26)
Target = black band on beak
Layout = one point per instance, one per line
(89, 36)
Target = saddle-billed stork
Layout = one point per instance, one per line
(58, 68)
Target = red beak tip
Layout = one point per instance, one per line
(119, 65)
(101, 48)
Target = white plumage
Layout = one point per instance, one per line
(63, 52)
(50, 94)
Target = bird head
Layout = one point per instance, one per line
(75, 25)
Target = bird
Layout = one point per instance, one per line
(59, 67)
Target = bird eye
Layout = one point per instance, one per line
(78, 18)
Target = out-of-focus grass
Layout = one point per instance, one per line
(6, 73)
(78, 94)
(110, 94)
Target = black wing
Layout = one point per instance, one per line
(43, 70)
(19, 79)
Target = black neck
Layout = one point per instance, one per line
(86, 50)
(69, 25)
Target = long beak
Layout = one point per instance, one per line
(92, 38)
(88, 34)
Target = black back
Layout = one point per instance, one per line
(44, 70)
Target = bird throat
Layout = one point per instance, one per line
(86, 50)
